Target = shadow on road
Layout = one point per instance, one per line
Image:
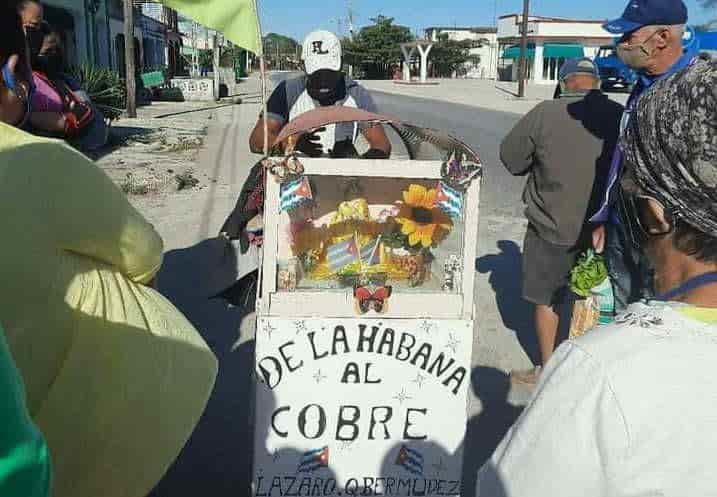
(509, 92)
(118, 137)
(486, 430)
(193, 111)
(506, 275)
(216, 460)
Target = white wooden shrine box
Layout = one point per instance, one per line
(435, 304)
(357, 402)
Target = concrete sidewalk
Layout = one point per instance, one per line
(216, 460)
(488, 94)
(189, 216)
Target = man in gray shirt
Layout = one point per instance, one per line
(564, 146)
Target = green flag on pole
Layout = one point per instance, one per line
(238, 20)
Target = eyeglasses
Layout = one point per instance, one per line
(635, 211)
(627, 37)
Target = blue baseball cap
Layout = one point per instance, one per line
(639, 13)
(578, 66)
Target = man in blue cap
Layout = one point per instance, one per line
(561, 187)
(651, 43)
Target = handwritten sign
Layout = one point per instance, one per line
(360, 407)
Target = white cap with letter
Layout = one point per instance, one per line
(321, 50)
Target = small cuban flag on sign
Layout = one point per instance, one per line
(370, 254)
(410, 460)
(294, 193)
(313, 460)
(342, 254)
(449, 200)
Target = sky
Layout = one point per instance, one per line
(296, 18)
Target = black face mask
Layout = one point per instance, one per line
(34, 36)
(51, 64)
(326, 86)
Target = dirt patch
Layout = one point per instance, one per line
(148, 155)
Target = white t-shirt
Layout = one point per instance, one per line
(627, 410)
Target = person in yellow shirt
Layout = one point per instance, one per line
(116, 378)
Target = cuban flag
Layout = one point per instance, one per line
(342, 254)
(313, 460)
(449, 200)
(294, 193)
(370, 254)
(410, 460)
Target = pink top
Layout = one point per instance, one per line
(45, 98)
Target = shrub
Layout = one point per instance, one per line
(104, 87)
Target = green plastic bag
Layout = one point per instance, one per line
(589, 279)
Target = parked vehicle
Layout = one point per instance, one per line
(614, 74)
(708, 42)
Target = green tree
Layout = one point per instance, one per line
(377, 48)
(206, 58)
(449, 56)
(280, 49)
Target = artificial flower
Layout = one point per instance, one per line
(421, 221)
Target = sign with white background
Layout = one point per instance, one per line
(360, 407)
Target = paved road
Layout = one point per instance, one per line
(216, 460)
(480, 128)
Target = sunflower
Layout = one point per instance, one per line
(420, 219)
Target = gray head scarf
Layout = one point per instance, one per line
(670, 145)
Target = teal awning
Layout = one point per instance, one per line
(514, 52)
(564, 50)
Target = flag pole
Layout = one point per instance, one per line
(262, 70)
(375, 249)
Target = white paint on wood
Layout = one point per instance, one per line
(393, 168)
(338, 303)
(339, 400)
(470, 247)
(271, 242)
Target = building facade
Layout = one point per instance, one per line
(550, 42)
(85, 29)
(93, 32)
(485, 47)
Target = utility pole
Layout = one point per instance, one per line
(195, 53)
(215, 64)
(523, 61)
(129, 59)
(278, 57)
(351, 21)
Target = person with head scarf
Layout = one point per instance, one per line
(114, 376)
(628, 409)
(324, 84)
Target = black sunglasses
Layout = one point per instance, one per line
(635, 209)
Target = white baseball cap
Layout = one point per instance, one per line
(321, 50)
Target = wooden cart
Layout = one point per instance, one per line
(366, 318)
